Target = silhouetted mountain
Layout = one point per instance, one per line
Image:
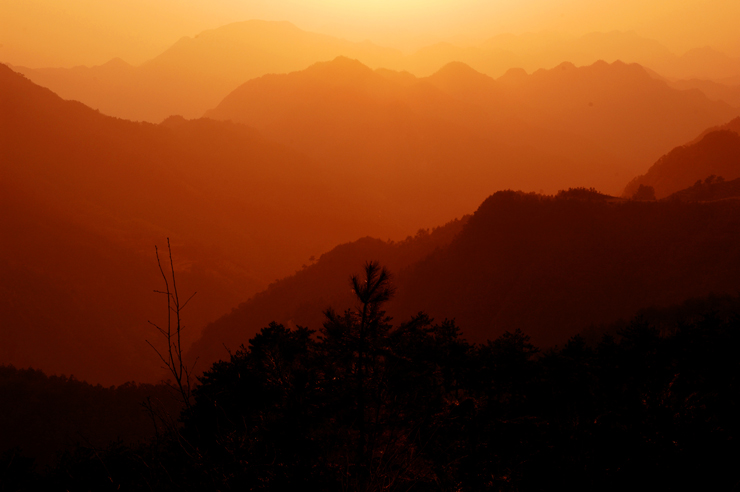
(713, 90)
(545, 50)
(715, 152)
(301, 299)
(85, 198)
(703, 63)
(550, 266)
(620, 108)
(733, 126)
(428, 155)
(492, 62)
(568, 126)
(711, 189)
(553, 265)
(195, 73)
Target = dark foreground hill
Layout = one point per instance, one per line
(550, 266)
(365, 404)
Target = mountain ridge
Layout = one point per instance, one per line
(194, 73)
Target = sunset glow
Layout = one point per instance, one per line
(40, 33)
(365, 245)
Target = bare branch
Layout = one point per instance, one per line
(173, 357)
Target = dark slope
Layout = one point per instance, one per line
(85, 198)
(711, 189)
(551, 266)
(716, 152)
(300, 300)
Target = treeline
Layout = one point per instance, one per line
(42, 417)
(366, 404)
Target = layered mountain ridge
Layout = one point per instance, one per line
(550, 266)
(196, 72)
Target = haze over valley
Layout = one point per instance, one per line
(441, 218)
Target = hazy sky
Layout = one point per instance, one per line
(71, 32)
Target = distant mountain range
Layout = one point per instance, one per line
(195, 73)
(568, 126)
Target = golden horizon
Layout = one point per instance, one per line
(46, 33)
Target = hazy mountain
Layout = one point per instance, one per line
(545, 50)
(713, 90)
(715, 152)
(493, 62)
(85, 198)
(619, 107)
(551, 266)
(702, 63)
(549, 130)
(195, 73)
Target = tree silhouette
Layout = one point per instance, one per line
(644, 193)
(172, 333)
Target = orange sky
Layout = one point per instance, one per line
(70, 32)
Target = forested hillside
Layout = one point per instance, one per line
(551, 266)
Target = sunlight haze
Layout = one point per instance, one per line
(39, 33)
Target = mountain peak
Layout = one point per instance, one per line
(458, 73)
(116, 63)
(340, 70)
(513, 76)
(457, 68)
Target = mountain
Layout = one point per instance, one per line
(713, 90)
(545, 50)
(711, 189)
(86, 197)
(428, 155)
(195, 73)
(493, 62)
(702, 63)
(551, 266)
(621, 108)
(568, 126)
(716, 152)
(301, 299)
